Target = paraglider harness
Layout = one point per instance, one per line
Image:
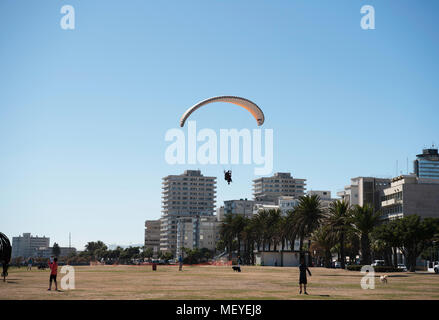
(228, 176)
(5, 254)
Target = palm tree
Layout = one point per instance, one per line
(238, 225)
(289, 229)
(283, 231)
(226, 233)
(324, 239)
(262, 220)
(273, 228)
(249, 237)
(364, 220)
(339, 223)
(307, 217)
(257, 227)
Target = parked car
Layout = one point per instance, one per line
(378, 263)
(337, 264)
(402, 267)
(433, 266)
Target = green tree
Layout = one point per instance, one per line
(147, 253)
(339, 223)
(227, 233)
(273, 228)
(238, 225)
(306, 218)
(324, 239)
(386, 241)
(364, 220)
(414, 234)
(56, 251)
(95, 250)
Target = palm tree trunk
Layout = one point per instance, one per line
(327, 258)
(365, 249)
(395, 257)
(301, 247)
(342, 253)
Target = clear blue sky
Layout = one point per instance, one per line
(83, 113)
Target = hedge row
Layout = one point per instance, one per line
(377, 268)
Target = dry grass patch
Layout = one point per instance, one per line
(211, 282)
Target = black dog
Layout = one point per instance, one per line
(236, 268)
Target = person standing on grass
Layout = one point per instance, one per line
(53, 272)
(180, 263)
(29, 264)
(302, 278)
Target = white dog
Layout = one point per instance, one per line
(383, 279)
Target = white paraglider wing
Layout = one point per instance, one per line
(242, 102)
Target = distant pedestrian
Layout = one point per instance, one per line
(239, 263)
(53, 272)
(180, 263)
(29, 264)
(302, 277)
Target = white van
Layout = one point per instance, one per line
(433, 266)
(378, 263)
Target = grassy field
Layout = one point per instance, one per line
(211, 282)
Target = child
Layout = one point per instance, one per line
(302, 278)
(53, 272)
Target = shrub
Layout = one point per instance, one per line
(377, 268)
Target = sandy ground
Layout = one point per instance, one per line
(213, 282)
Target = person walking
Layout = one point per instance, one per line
(53, 272)
(180, 263)
(302, 277)
(239, 263)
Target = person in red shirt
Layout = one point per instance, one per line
(53, 272)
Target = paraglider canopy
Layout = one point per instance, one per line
(242, 102)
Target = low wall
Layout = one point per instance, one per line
(275, 258)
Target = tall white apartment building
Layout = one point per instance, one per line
(187, 195)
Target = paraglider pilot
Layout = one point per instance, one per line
(228, 176)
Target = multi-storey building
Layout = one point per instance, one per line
(187, 195)
(152, 235)
(27, 246)
(197, 232)
(324, 195)
(365, 190)
(209, 232)
(280, 184)
(426, 165)
(409, 194)
(220, 213)
(287, 204)
(259, 206)
(242, 207)
(47, 252)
